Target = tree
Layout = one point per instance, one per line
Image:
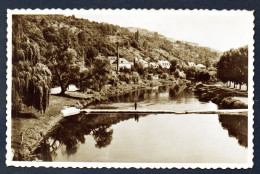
(137, 36)
(69, 68)
(233, 66)
(103, 136)
(203, 76)
(31, 80)
(191, 72)
(98, 74)
(135, 44)
(173, 66)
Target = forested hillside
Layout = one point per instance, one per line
(101, 38)
(60, 50)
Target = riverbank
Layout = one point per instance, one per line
(30, 127)
(224, 97)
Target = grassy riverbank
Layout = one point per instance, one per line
(30, 126)
(224, 97)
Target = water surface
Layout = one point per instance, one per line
(194, 138)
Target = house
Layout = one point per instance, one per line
(112, 59)
(142, 61)
(123, 63)
(164, 64)
(153, 65)
(201, 66)
(191, 64)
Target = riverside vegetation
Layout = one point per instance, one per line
(56, 50)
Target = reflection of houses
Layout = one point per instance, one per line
(123, 63)
(164, 64)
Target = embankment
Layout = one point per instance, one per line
(225, 98)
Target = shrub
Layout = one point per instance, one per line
(230, 103)
(164, 76)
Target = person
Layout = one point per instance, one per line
(135, 105)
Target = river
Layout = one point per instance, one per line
(167, 138)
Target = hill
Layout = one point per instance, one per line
(51, 50)
(102, 38)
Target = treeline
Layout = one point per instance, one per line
(233, 67)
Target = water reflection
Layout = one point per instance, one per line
(237, 127)
(72, 131)
(152, 93)
(106, 137)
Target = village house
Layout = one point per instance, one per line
(153, 65)
(123, 63)
(164, 64)
(191, 64)
(142, 61)
(112, 59)
(201, 66)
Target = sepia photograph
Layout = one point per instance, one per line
(130, 88)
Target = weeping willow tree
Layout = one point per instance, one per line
(31, 80)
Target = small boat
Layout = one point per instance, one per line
(70, 111)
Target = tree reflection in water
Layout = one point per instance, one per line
(103, 136)
(72, 131)
(237, 127)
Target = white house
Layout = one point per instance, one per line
(123, 63)
(191, 64)
(144, 63)
(112, 59)
(164, 64)
(153, 65)
(201, 66)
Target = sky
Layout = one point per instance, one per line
(220, 30)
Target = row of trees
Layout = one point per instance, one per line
(233, 66)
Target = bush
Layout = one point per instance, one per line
(176, 74)
(149, 77)
(206, 96)
(230, 103)
(164, 76)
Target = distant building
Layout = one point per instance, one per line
(201, 66)
(191, 64)
(123, 63)
(164, 64)
(153, 64)
(144, 63)
(112, 59)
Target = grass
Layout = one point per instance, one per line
(32, 127)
